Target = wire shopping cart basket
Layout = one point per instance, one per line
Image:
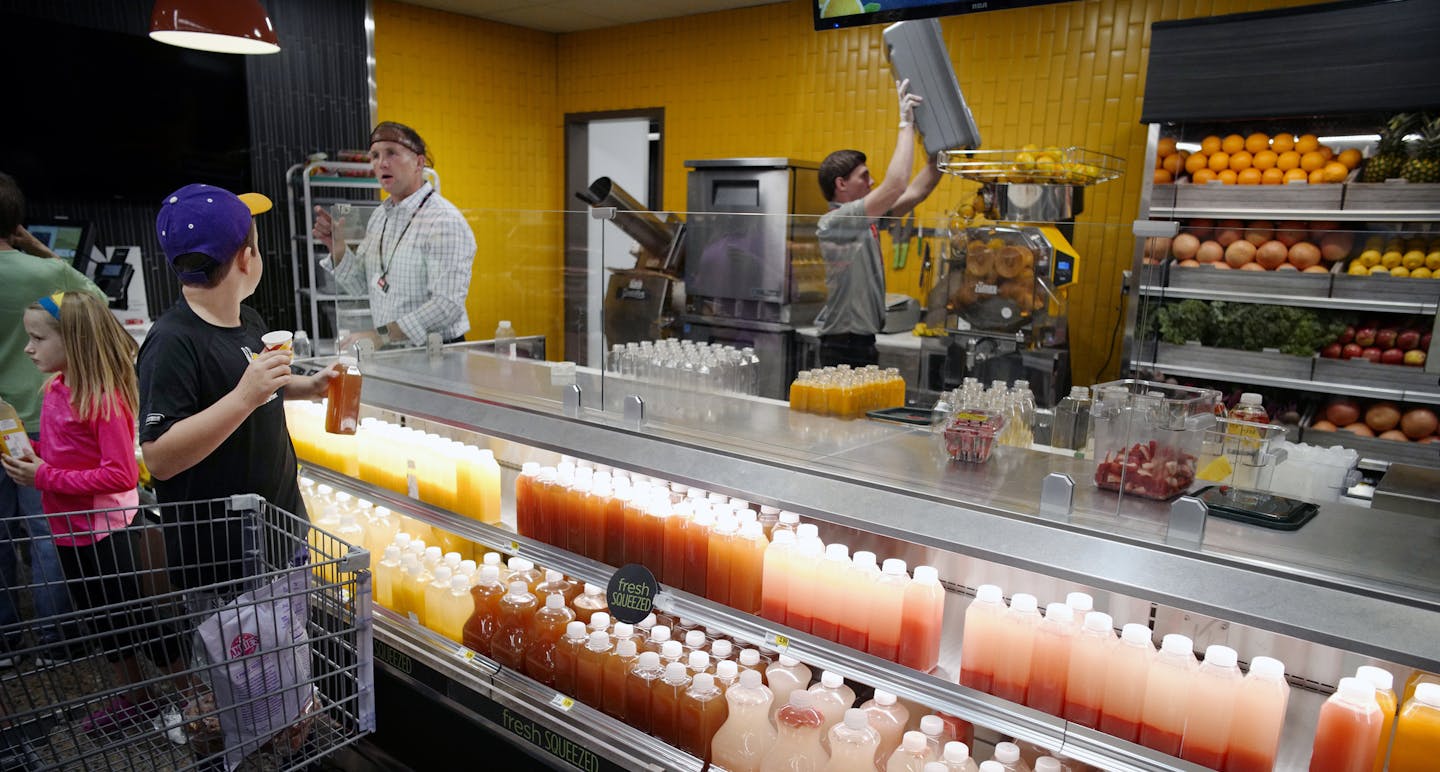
(216, 634)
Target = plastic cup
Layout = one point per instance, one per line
(283, 340)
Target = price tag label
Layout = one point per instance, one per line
(562, 702)
(515, 547)
(777, 641)
(466, 654)
(413, 618)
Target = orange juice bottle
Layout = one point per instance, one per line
(747, 567)
(544, 514)
(1018, 647)
(659, 636)
(487, 472)
(697, 662)
(665, 699)
(980, 647)
(1417, 731)
(1384, 684)
(485, 597)
(1085, 679)
(1167, 692)
(523, 570)
(513, 635)
(1259, 717)
(886, 608)
(1349, 730)
(830, 592)
(591, 600)
(860, 581)
(773, 575)
(455, 609)
(672, 651)
(1125, 679)
(800, 601)
(639, 684)
(720, 553)
(1050, 662)
(614, 548)
(549, 626)
(701, 712)
(555, 582)
(634, 539)
(697, 552)
(567, 656)
(1211, 708)
(526, 491)
(672, 565)
(1416, 678)
(433, 597)
(618, 665)
(386, 573)
(342, 406)
(590, 669)
(922, 620)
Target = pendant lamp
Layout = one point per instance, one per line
(223, 26)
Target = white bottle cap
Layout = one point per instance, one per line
(935, 766)
(660, 633)
(695, 639)
(1047, 764)
(521, 564)
(831, 680)
(675, 672)
(751, 530)
(491, 559)
(380, 513)
(991, 766)
(927, 575)
(856, 719)
(932, 725)
(1099, 621)
(782, 537)
(893, 567)
(433, 554)
(489, 574)
(883, 697)
(722, 649)
(788, 661)
(648, 623)
(802, 699)
(807, 531)
(672, 650)
(864, 560)
(1175, 643)
(599, 621)
(1023, 603)
(1080, 601)
(1428, 694)
(467, 567)
(649, 660)
(591, 589)
(704, 682)
(837, 552)
(392, 552)
(989, 593)
(914, 742)
(1378, 677)
(956, 752)
(1356, 690)
(1007, 753)
(625, 648)
(343, 497)
(1135, 634)
(554, 600)
(1220, 656)
(789, 518)
(552, 576)
(699, 660)
(750, 679)
(726, 669)
(598, 639)
(451, 559)
(519, 588)
(575, 629)
(624, 630)
(1250, 398)
(459, 583)
(442, 574)
(1268, 667)
(749, 657)
(1059, 612)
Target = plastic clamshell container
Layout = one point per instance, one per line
(1149, 436)
(1251, 451)
(970, 434)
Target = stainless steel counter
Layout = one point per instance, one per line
(1361, 580)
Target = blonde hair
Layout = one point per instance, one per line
(100, 356)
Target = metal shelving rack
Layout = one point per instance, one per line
(304, 184)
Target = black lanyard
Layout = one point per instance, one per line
(384, 266)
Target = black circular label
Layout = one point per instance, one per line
(631, 593)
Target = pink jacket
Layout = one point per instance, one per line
(88, 465)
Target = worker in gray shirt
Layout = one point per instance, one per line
(850, 238)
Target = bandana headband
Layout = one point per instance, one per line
(51, 304)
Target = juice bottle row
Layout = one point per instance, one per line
(452, 475)
(716, 547)
(847, 393)
(359, 521)
(1361, 729)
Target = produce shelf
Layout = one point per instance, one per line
(1368, 304)
(1348, 202)
(1301, 384)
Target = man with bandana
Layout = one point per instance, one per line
(414, 262)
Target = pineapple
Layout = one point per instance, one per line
(1425, 166)
(1390, 155)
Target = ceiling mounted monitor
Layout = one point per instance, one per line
(833, 14)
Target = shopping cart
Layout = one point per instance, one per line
(227, 634)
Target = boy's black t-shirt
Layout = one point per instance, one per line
(186, 365)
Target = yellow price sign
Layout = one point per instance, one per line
(779, 642)
(515, 547)
(562, 702)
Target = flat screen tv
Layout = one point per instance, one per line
(834, 14)
(98, 114)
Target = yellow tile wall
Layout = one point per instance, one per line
(761, 81)
(483, 95)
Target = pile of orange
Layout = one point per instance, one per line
(1258, 159)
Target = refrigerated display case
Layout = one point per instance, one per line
(1351, 587)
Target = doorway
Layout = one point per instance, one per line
(626, 146)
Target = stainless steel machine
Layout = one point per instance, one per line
(753, 270)
(641, 302)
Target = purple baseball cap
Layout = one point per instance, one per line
(207, 220)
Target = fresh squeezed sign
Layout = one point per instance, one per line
(631, 593)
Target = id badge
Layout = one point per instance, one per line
(382, 284)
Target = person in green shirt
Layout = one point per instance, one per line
(31, 270)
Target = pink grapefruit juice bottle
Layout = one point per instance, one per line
(1125, 678)
(886, 608)
(1260, 704)
(1212, 706)
(1167, 691)
(981, 644)
(860, 584)
(830, 593)
(1349, 729)
(1017, 637)
(922, 619)
(1050, 663)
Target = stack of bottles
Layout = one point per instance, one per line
(446, 473)
(688, 365)
(854, 600)
(359, 521)
(704, 543)
(1016, 406)
(847, 393)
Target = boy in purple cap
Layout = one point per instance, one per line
(210, 423)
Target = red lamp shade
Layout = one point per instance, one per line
(223, 26)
